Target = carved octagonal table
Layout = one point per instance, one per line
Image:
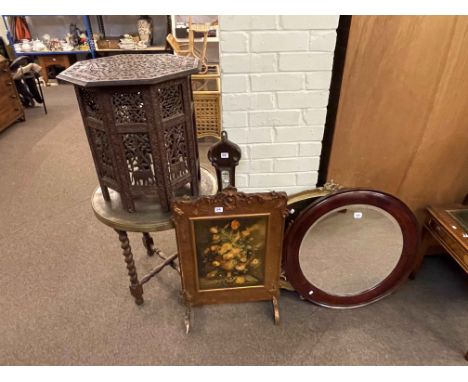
(138, 115)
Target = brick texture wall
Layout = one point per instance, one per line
(276, 73)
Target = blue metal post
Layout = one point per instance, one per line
(89, 33)
(9, 36)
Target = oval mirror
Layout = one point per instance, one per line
(350, 248)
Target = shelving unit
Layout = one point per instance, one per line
(87, 30)
(98, 24)
(113, 26)
(52, 53)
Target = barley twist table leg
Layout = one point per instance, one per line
(136, 288)
(148, 243)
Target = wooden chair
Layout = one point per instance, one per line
(189, 49)
(179, 49)
(200, 54)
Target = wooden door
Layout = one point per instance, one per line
(402, 121)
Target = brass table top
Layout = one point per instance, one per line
(148, 216)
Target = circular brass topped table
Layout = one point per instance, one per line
(149, 217)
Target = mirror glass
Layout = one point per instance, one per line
(461, 216)
(351, 249)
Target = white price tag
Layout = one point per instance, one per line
(219, 209)
(357, 215)
(224, 155)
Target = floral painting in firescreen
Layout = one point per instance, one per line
(230, 251)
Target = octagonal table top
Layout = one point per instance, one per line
(129, 69)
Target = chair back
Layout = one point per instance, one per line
(173, 43)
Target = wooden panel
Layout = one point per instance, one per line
(10, 106)
(402, 123)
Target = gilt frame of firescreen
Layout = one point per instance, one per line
(230, 204)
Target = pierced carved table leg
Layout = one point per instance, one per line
(276, 310)
(136, 289)
(148, 242)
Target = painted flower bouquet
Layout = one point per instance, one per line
(234, 254)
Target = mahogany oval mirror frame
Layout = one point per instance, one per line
(300, 226)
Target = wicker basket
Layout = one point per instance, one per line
(108, 43)
(207, 103)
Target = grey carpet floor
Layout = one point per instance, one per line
(64, 296)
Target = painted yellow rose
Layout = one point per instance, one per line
(240, 267)
(215, 263)
(214, 230)
(226, 247)
(229, 265)
(240, 280)
(228, 256)
(255, 262)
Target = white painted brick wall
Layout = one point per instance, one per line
(276, 73)
(274, 118)
(234, 83)
(235, 41)
(241, 23)
(277, 81)
(305, 61)
(279, 41)
(302, 99)
(309, 22)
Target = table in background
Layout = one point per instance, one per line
(64, 60)
(448, 225)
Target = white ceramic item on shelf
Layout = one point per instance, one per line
(127, 45)
(66, 46)
(38, 45)
(18, 48)
(142, 44)
(127, 42)
(26, 45)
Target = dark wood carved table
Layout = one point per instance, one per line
(149, 217)
(137, 112)
(448, 225)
